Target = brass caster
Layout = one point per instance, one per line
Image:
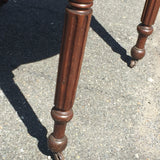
(133, 63)
(58, 156)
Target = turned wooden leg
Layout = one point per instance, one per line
(145, 29)
(77, 22)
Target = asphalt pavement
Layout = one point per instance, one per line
(117, 109)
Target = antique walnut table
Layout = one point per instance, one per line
(77, 21)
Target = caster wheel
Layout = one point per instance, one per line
(132, 63)
(58, 156)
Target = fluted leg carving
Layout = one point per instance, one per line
(145, 29)
(77, 21)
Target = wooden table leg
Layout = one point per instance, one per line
(77, 22)
(145, 29)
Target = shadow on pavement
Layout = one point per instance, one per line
(116, 47)
(24, 111)
(30, 31)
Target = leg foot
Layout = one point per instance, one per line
(137, 53)
(57, 145)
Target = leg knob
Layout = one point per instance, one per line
(57, 145)
(137, 53)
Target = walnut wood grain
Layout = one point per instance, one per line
(77, 21)
(150, 12)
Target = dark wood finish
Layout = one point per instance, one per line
(145, 29)
(77, 22)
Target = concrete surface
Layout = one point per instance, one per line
(117, 109)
